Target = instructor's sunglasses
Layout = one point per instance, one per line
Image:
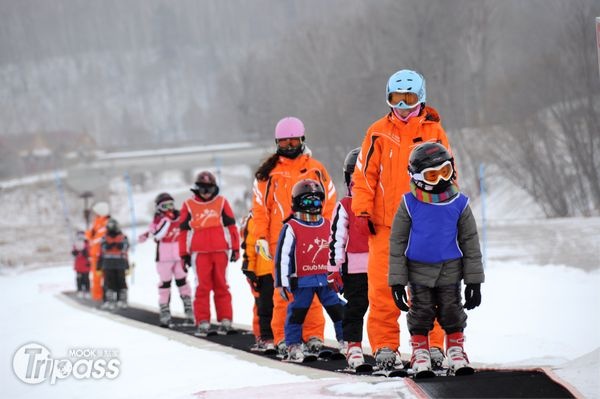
(289, 142)
(435, 174)
(395, 98)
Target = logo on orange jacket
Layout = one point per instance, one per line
(206, 214)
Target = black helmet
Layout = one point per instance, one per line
(112, 226)
(164, 202)
(206, 183)
(307, 197)
(349, 164)
(430, 155)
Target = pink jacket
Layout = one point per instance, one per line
(165, 231)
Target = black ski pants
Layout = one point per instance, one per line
(356, 292)
(264, 305)
(83, 282)
(443, 303)
(114, 280)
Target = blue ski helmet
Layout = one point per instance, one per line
(406, 81)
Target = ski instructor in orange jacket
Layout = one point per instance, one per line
(272, 204)
(380, 179)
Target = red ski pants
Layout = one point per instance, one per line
(211, 273)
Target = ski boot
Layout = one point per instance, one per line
(164, 316)
(420, 362)
(110, 302)
(188, 311)
(295, 353)
(225, 327)
(203, 329)
(458, 362)
(437, 358)
(385, 358)
(281, 349)
(269, 347)
(356, 358)
(314, 345)
(122, 299)
(343, 347)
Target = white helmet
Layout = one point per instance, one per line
(101, 208)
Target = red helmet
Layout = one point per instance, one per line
(206, 177)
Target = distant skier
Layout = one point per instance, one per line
(81, 264)
(433, 246)
(209, 240)
(114, 263)
(301, 262)
(348, 259)
(165, 231)
(94, 235)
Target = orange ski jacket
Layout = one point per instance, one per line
(272, 199)
(252, 261)
(381, 173)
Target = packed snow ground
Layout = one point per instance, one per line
(539, 308)
(530, 316)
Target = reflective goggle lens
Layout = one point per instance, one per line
(166, 206)
(311, 201)
(410, 99)
(434, 175)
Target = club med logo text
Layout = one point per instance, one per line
(33, 364)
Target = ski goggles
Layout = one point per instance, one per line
(206, 188)
(289, 142)
(435, 174)
(166, 206)
(407, 98)
(311, 201)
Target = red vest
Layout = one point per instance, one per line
(312, 247)
(205, 214)
(357, 241)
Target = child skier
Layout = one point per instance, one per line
(81, 252)
(348, 257)
(258, 273)
(113, 264)
(301, 265)
(433, 246)
(165, 231)
(208, 233)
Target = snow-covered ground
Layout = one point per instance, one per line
(540, 308)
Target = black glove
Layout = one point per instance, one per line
(400, 297)
(74, 252)
(252, 279)
(235, 255)
(185, 225)
(472, 296)
(187, 262)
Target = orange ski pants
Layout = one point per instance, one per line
(382, 323)
(97, 283)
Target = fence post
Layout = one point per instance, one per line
(482, 195)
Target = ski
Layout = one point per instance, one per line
(393, 372)
(424, 374)
(364, 369)
(462, 371)
(267, 352)
(209, 333)
(306, 359)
